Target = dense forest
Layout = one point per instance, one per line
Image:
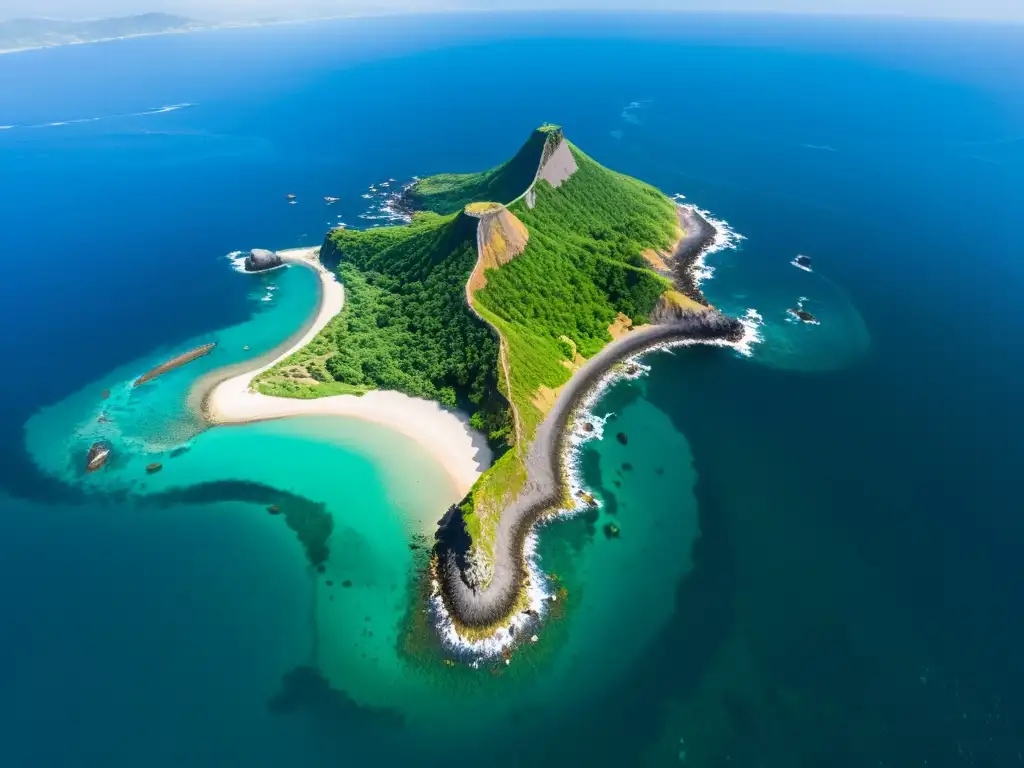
(450, 192)
(581, 267)
(405, 325)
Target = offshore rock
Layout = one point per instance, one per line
(154, 467)
(98, 454)
(803, 261)
(260, 259)
(803, 316)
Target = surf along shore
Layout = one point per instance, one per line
(482, 622)
(225, 396)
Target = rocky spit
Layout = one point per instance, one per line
(545, 490)
(175, 362)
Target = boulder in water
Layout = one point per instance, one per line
(98, 454)
(154, 467)
(803, 315)
(260, 259)
(803, 261)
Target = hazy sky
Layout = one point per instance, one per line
(249, 9)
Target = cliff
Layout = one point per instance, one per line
(500, 238)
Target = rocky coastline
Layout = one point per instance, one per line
(699, 235)
(546, 490)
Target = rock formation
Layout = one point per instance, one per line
(260, 259)
(803, 315)
(672, 306)
(98, 454)
(174, 362)
(500, 237)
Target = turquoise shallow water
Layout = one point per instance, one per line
(145, 424)
(827, 572)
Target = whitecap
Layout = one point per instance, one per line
(725, 238)
(237, 260)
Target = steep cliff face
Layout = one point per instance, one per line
(500, 238)
(558, 164)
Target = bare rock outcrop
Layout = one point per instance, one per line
(260, 259)
(500, 237)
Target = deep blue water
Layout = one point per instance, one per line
(856, 593)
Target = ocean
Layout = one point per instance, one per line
(818, 554)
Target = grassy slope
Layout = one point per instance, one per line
(405, 325)
(581, 267)
(449, 192)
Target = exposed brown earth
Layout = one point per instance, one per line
(500, 237)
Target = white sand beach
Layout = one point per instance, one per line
(446, 436)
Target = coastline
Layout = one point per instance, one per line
(224, 397)
(515, 599)
(549, 488)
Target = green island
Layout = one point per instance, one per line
(500, 289)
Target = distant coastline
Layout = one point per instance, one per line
(196, 26)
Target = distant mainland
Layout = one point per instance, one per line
(480, 329)
(28, 34)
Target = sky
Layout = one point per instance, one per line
(242, 10)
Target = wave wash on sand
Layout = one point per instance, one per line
(226, 396)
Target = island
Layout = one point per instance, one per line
(509, 296)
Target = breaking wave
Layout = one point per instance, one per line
(154, 111)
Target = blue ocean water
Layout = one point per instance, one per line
(851, 597)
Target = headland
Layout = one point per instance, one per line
(512, 294)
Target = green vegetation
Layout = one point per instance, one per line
(450, 192)
(405, 325)
(581, 267)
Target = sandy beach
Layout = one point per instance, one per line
(446, 436)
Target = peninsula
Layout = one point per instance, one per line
(509, 295)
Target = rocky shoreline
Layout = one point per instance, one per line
(547, 490)
(685, 261)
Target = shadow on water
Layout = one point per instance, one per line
(310, 520)
(306, 690)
